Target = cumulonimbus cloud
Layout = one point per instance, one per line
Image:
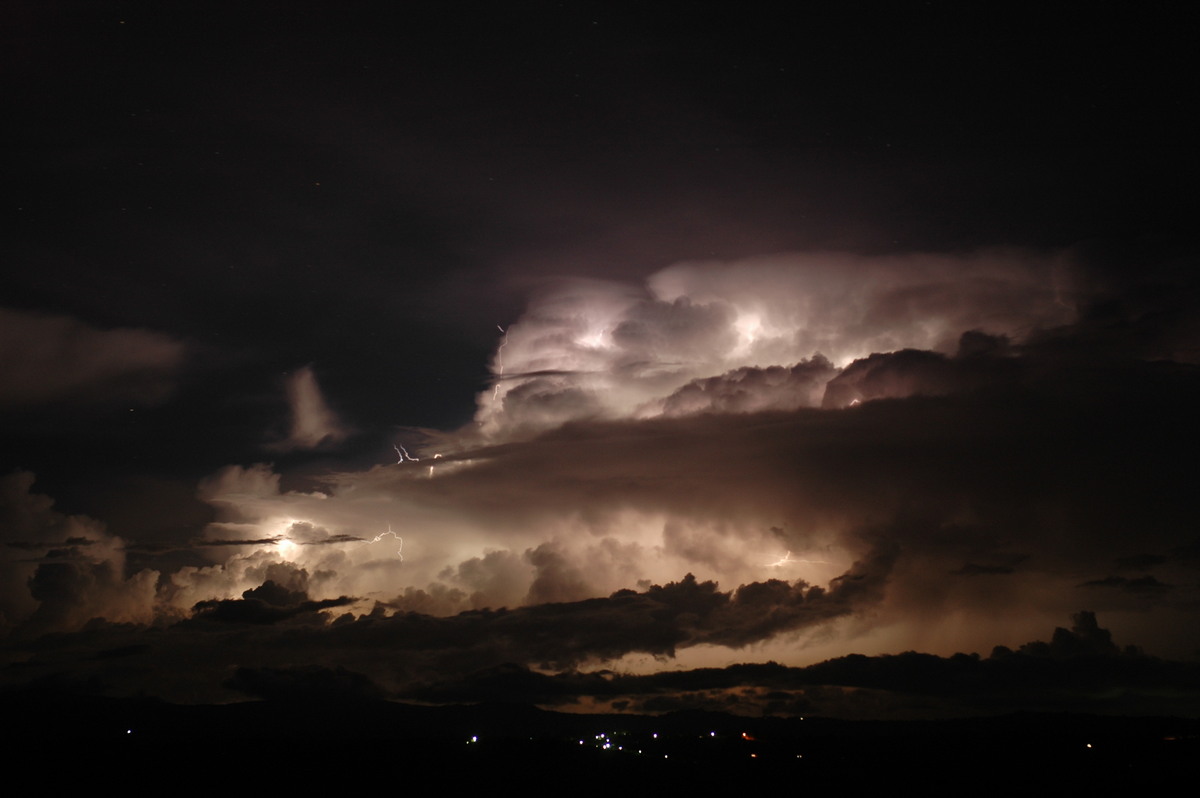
(717, 336)
(57, 571)
(905, 450)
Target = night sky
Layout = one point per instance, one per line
(439, 353)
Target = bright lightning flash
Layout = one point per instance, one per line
(403, 455)
(787, 559)
(500, 361)
(400, 540)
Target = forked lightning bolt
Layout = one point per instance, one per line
(382, 535)
(782, 561)
(402, 455)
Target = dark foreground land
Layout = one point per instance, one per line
(343, 745)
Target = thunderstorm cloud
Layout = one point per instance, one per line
(777, 456)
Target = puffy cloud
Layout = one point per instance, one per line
(847, 306)
(753, 389)
(980, 363)
(266, 604)
(556, 579)
(52, 358)
(761, 333)
(58, 572)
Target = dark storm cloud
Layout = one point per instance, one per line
(764, 609)
(270, 603)
(304, 683)
(59, 571)
(259, 542)
(396, 649)
(1063, 674)
(48, 358)
(658, 621)
(516, 683)
(1143, 584)
(975, 569)
(333, 540)
(70, 542)
(71, 594)
(912, 372)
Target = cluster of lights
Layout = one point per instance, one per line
(605, 742)
(621, 742)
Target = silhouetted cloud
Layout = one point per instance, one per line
(1065, 674)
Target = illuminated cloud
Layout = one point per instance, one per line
(761, 333)
(652, 475)
(57, 572)
(622, 450)
(313, 422)
(751, 389)
(790, 356)
(971, 476)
